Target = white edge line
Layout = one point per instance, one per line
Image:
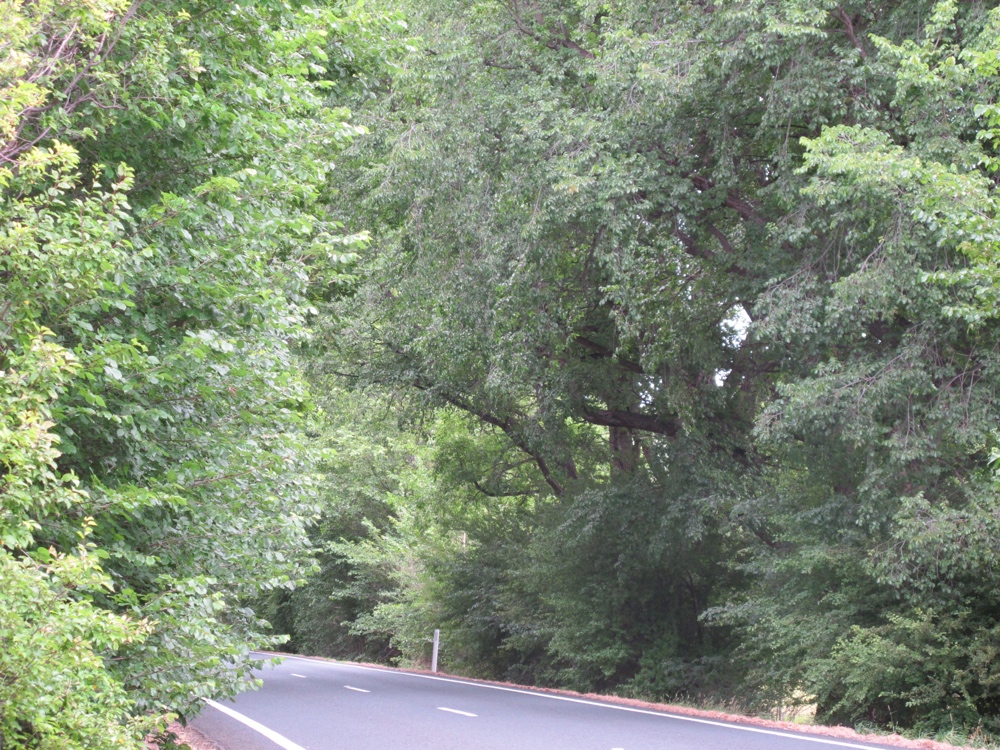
(276, 738)
(456, 711)
(357, 690)
(298, 675)
(678, 717)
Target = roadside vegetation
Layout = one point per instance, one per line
(648, 348)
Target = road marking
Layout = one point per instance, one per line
(456, 711)
(357, 690)
(298, 675)
(598, 704)
(276, 738)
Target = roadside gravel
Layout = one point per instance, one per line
(189, 736)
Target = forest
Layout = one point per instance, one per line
(642, 347)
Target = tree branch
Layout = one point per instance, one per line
(603, 351)
(723, 240)
(632, 421)
(849, 30)
(554, 40)
(490, 493)
(510, 429)
(744, 209)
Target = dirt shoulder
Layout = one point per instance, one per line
(188, 736)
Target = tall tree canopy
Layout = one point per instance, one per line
(162, 230)
(714, 286)
(670, 368)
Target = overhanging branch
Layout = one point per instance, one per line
(603, 351)
(632, 421)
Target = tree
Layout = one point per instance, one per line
(881, 443)
(724, 276)
(162, 234)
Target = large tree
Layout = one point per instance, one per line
(701, 265)
(162, 233)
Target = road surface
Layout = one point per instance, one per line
(316, 705)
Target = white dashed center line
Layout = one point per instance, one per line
(455, 711)
(298, 675)
(356, 690)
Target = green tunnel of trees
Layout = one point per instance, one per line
(643, 347)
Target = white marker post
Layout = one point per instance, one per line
(434, 654)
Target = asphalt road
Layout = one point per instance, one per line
(317, 705)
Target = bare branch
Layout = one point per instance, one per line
(553, 40)
(632, 421)
(849, 30)
(510, 428)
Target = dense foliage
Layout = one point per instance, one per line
(647, 347)
(162, 230)
(691, 311)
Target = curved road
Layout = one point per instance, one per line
(308, 704)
